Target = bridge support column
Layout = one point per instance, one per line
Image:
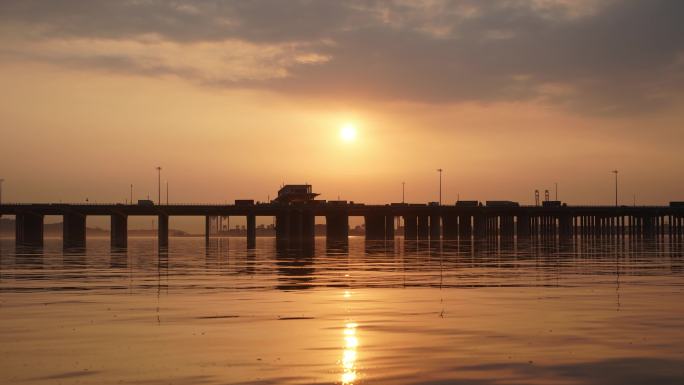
(523, 226)
(674, 226)
(300, 230)
(375, 227)
(450, 227)
(73, 230)
(435, 227)
(507, 226)
(29, 229)
(480, 225)
(251, 231)
(296, 226)
(389, 227)
(337, 227)
(465, 229)
(163, 230)
(119, 230)
(650, 227)
(282, 225)
(423, 227)
(410, 227)
(308, 227)
(565, 226)
(207, 228)
(492, 226)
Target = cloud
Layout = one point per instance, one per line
(208, 62)
(608, 57)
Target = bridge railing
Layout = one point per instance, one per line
(355, 205)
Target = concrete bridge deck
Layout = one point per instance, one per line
(295, 223)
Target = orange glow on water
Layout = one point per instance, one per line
(349, 354)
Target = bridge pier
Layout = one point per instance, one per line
(480, 225)
(565, 226)
(207, 228)
(29, 229)
(410, 227)
(507, 226)
(435, 227)
(73, 230)
(493, 226)
(337, 226)
(523, 227)
(423, 227)
(450, 227)
(465, 229)
(282, 227)
(389, 227)
(163, 230)
(308, 227)
(673, 226)
(649, 226)
(375, 227)
(298, 228)
(119, 230)
(251, 231)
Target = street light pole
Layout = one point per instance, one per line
(556, 183)
(439, 170)
(159, 185)
(616, 186)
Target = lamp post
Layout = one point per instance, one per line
(556, 183)
(439, 170)
(616, 186)
(403, 192)
(159, 185)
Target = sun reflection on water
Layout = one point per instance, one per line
(351, 342)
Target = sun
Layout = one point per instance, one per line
(348, 132)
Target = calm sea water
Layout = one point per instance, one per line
(602, 312)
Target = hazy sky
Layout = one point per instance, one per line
(234, 98)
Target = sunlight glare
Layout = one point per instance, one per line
(348, 132)
(348, 362)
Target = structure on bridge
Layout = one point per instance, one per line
(295, 193)
(295, 211)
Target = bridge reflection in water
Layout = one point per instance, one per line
(397, 312)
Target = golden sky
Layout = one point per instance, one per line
(234, 98)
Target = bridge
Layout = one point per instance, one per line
(295, 221)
